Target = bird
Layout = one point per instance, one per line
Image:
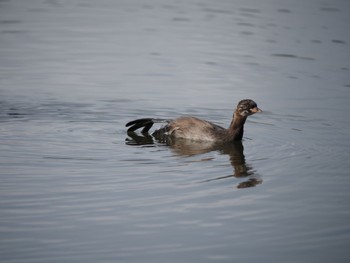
(193, 128)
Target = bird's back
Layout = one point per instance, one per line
(193, 128)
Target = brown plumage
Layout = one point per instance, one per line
(193, 128)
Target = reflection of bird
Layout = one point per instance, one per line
(200, 130)
(184, 147)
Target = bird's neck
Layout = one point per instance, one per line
(235, 131)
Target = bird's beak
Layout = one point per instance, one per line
(255, 110)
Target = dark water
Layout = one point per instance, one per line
(74, 187)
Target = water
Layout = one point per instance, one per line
(75, 188)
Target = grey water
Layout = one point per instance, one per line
(74, 187)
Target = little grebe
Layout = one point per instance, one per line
(200, 130)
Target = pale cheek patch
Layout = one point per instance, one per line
(244, 113)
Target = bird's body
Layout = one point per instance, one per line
(191, 128)
(196, 129)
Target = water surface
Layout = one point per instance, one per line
(74, 187)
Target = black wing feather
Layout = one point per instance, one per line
(147, 123)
